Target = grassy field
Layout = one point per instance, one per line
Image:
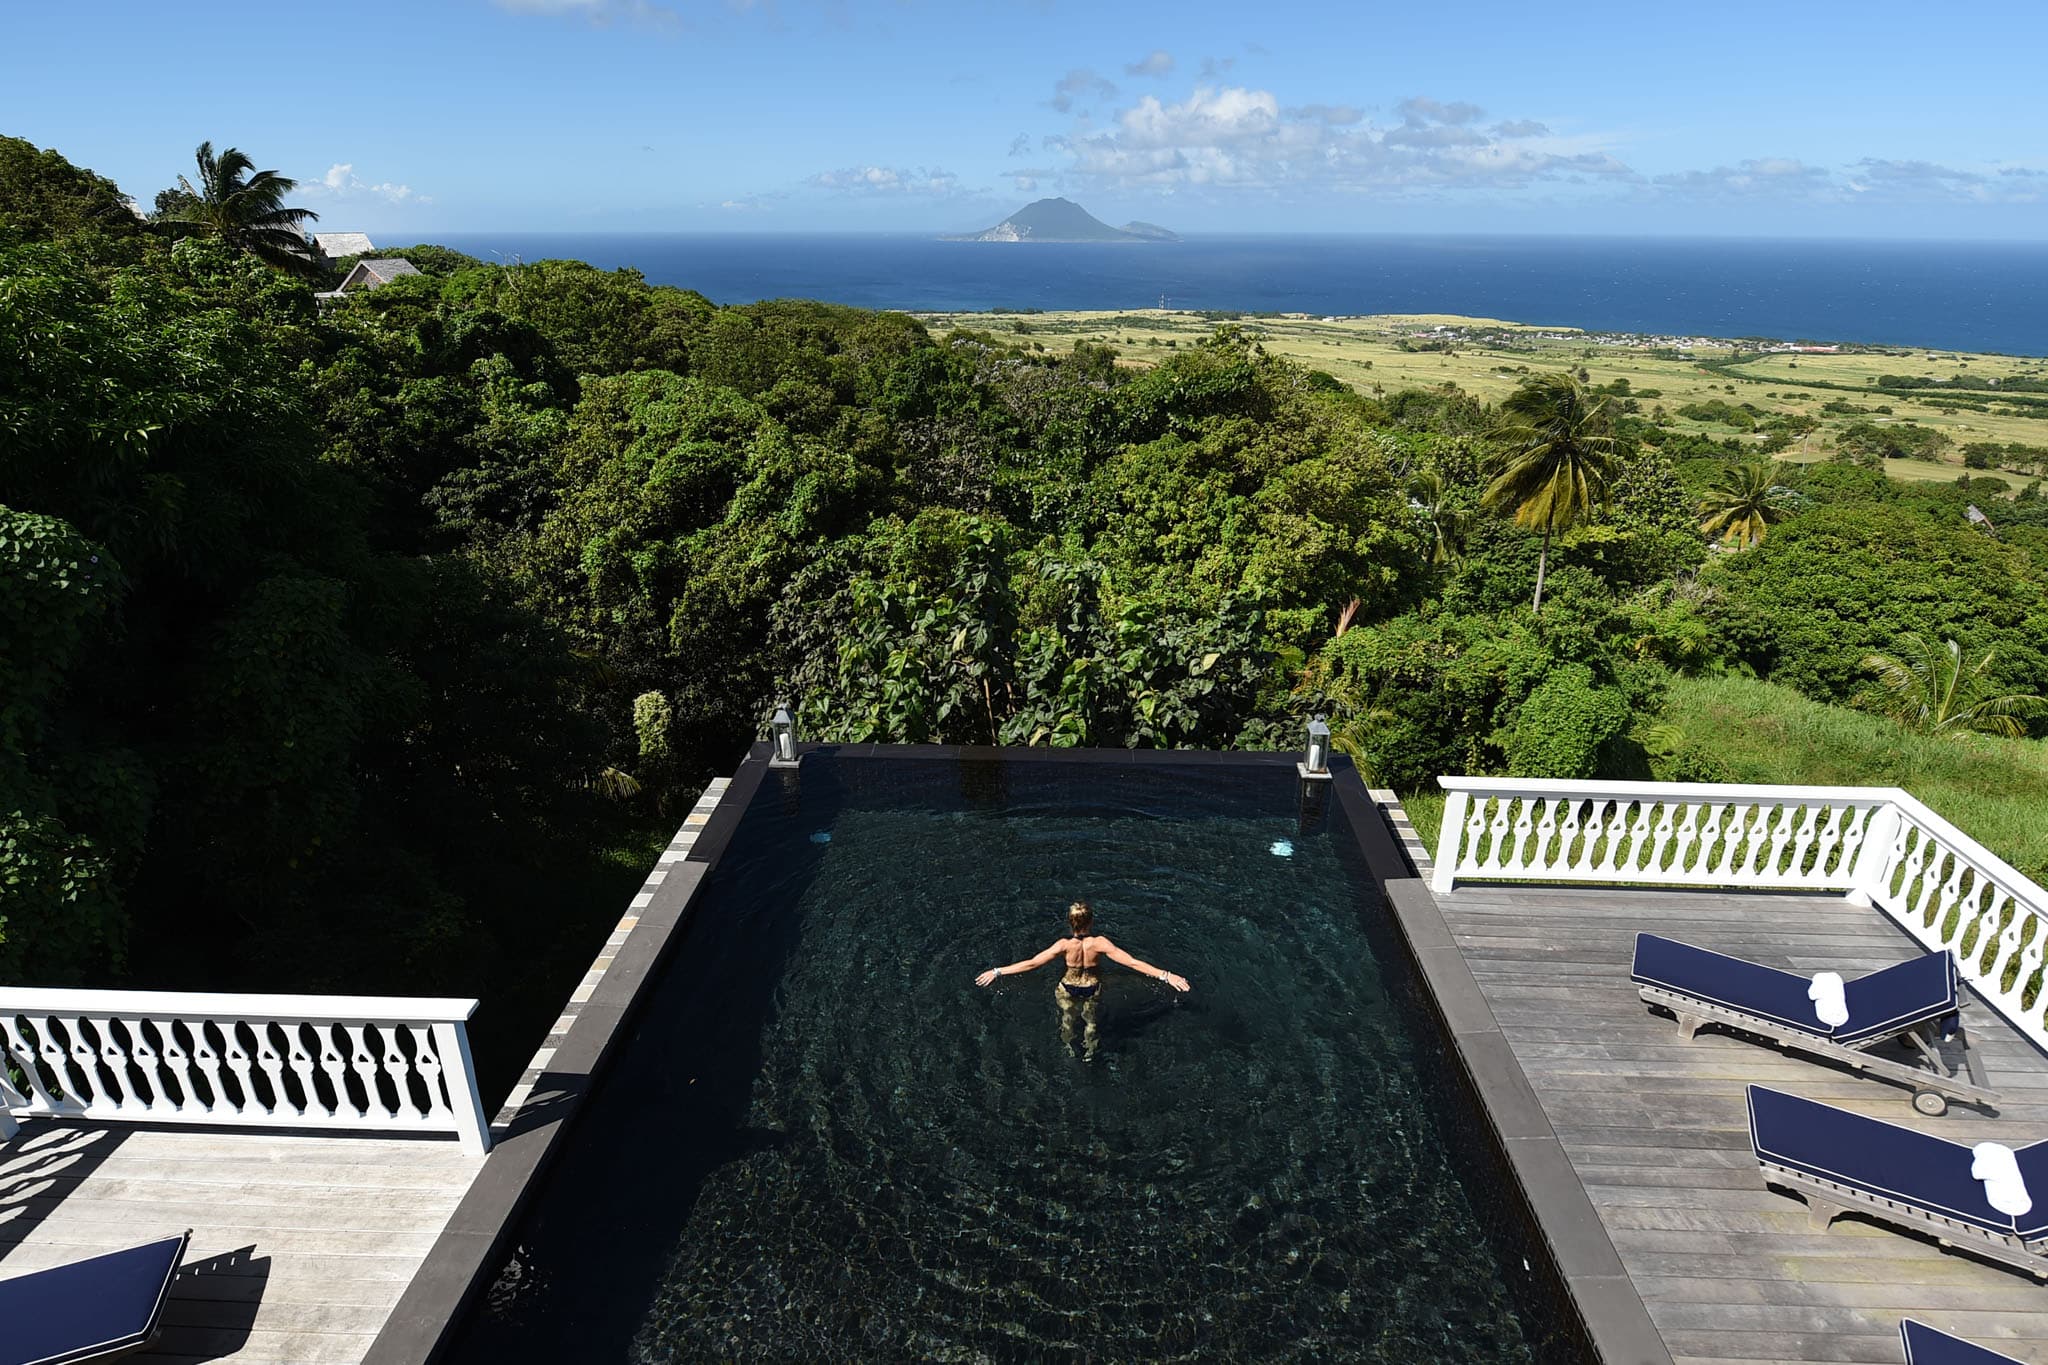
(1488, 357)
(1994, 790)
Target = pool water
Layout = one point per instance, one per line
(823, 1142)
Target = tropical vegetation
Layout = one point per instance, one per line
(376, 644)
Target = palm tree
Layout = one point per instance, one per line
(1936, 692)
(1741, 507)
(1558, 460)
(245, 208)
(1429, 495)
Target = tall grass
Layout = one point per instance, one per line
(1994, 790)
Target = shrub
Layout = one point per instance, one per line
(1564, 725)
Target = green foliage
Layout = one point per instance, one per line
(1742, 506)
(1563, 725)
(44, 197)
(1891, 441)
(1932, 689)
(244, 207)
(1556, 461)
(1846, 579)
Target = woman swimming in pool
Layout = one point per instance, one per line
(1079, 990)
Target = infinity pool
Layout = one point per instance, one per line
(823, 1142)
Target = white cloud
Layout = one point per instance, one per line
(885, 180)
(1158, 62)
(342, 182)
(1236, 136)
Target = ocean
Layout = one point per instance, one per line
(1970, 296)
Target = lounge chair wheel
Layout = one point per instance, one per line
(1930, 1102)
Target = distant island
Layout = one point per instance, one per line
(1063, 220)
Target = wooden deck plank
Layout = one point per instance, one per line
(1658, 1132)
(301, 1245)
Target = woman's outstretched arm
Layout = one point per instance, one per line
(1028, 964)
(1116, 954)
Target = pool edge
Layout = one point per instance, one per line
(541, 1109)
(1609, 1306)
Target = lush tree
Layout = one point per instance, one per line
(1846, 579)
(43, 196)
(1557, 458)
(1742, 505)
(1442, 517)
(244, 207)
(1933, 688)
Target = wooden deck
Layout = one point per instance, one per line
(300, 1245)
(1658, 1130)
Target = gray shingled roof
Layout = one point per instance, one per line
(344, 243)
(385, 269)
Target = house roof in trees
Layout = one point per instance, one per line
(335, 244)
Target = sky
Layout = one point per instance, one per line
(1868, 120)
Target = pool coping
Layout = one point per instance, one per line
(1609, 1305)
(540, 1112)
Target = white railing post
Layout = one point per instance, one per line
(1449, 841)
(458, 1073)
(1869, 880)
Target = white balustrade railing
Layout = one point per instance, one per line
(274, 1061)
(1880, 846)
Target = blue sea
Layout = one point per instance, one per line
(1974, 296)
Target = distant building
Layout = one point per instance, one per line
(373, 272)
(334, 245)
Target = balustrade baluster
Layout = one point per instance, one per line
(143, 1064)
(366, 1073)
(1496, 851)
(1543, 857)
(236, 1052)
(1660, 838)
(398, 1068)
(177, 1062)
(1771, 867)
(1574, 849)
(27, 1055)
(270, 1057)
(1639, 849)
(301, 1059)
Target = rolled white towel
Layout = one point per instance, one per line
(1995, 1165)
(1828, 1000)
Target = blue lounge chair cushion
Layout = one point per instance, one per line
(90, 1309)
(1880, 1004)
(1890, 1162)
(1925, 1346)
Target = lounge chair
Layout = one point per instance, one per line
(1917, 1000)
(95, 1309)
(1925, 1346)
(1841, 1162)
